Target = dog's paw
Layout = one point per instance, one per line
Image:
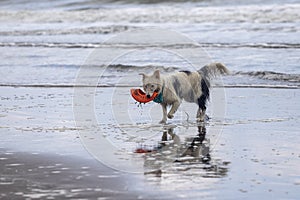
(163, 121)
(203, 118)
(200, 120)
(170, 116)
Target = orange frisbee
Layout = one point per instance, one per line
(140, 96)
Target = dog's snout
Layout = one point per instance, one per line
(148, 96)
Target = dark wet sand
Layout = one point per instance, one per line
(255, 157)
(46, 176)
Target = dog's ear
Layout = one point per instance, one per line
(144, 75)
(156, 74)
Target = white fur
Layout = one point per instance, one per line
(180, 86)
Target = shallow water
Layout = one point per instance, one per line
(254, 154)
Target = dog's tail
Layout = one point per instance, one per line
(213, 69)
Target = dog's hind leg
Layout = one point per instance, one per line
(201, 101)
(174, 108)
(202, 108)
(164, 119)
(201, 114)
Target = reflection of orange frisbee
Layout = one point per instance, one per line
(141, 150)
(141, 96)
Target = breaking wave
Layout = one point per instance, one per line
(258, 79)
(254, 79)
(266, 75)
(92, 4)
(137, 46)
(273, 76)
(85, 30)
(275, 13)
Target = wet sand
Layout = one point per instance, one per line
(46, 176)
(254, 156)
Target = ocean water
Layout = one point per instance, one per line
(257, 40)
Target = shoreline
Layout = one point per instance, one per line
(254, 86)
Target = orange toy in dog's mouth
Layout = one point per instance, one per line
(140, 96)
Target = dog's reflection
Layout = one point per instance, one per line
(193, 148)
(191, 154)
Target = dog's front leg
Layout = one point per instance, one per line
(174, 108)
(164, 119)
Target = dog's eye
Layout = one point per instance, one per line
(152, 86)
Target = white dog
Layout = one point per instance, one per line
(191, 86)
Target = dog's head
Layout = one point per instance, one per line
(152, 83)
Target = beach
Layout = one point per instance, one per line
(255, 155)
(70, 129)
